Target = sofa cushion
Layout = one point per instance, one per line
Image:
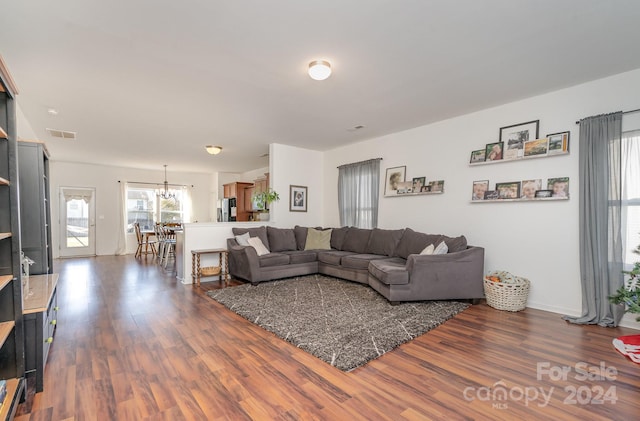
(273, 259)
(356, 240)
(301, 236)
(337, 237)
(332, 257)
(318, 239)
(391, 271)
(301, 256)
(359, 261)
(414, 242)
(442, 248)
(428, 250)
(256, 243)
(281, 239)
(243, 240)
(384, 242)
(260, 232)
(456, 244)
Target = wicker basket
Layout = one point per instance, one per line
(507, 296)
(210, 271)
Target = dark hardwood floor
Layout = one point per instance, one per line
(134, 344)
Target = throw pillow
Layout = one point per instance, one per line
(257, 244)
(318, 239)
(429, 249)
(243, 240)
(441, 249)
(281, 239)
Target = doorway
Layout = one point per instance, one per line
(77, 222)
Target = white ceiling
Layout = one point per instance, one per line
(151, 82)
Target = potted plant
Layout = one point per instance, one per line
(263, 198)
(629, 293)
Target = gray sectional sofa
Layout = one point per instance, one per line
(389, 261)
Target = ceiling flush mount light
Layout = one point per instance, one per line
(166, 194)
(213, 150)
(52, 111)
(319, 69)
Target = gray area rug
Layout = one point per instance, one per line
(343, 323)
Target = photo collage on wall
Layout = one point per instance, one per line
(521, 141)
(397, 184)
(557, 188)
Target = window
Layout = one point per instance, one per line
(630, 195)
(358, 190)
(145, 207)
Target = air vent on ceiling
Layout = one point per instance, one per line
(62, 134)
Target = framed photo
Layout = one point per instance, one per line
(298, 198)
(536, 147)
(540, 194)
(393, 176)
(558, 143)
(404, 187)
(517, 134)
(479, 189)
(425, 189)
(559, 187)
(477, 156)
(493, 151)
(509, 190)
(436, 186)
(491, 195)
(513, 151)
(530, 187)
(418, 184)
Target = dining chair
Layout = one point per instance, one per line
(169, 246)
(144, 242)
(157, 227)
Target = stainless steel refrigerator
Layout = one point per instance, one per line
(227, 210)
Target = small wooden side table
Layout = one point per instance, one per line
(196, 270)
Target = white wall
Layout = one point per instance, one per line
(537, 240)
(299, 167)
(105, 181)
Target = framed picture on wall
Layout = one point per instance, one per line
(509, 190)
(530, 187)
(394, 176)
(558, 143)
(298, 198)
(477, 156)
(418, 184)
(493, 151)
(536, 147)
(517, 134)
(559, 187)
(479, 188)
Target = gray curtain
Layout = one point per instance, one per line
(600, 219)
(358, 192)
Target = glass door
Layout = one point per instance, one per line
(77, 222)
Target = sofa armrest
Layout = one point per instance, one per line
(243, 261)
(448, 276)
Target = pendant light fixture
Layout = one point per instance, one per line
(166, 194)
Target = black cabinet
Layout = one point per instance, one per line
(35, 215)
(11, 320)
(40, 321)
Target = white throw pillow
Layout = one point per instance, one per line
(257, 244)
(441, 249)
(428, 250)
(243, 240)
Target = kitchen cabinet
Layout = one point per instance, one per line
(11, 319)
